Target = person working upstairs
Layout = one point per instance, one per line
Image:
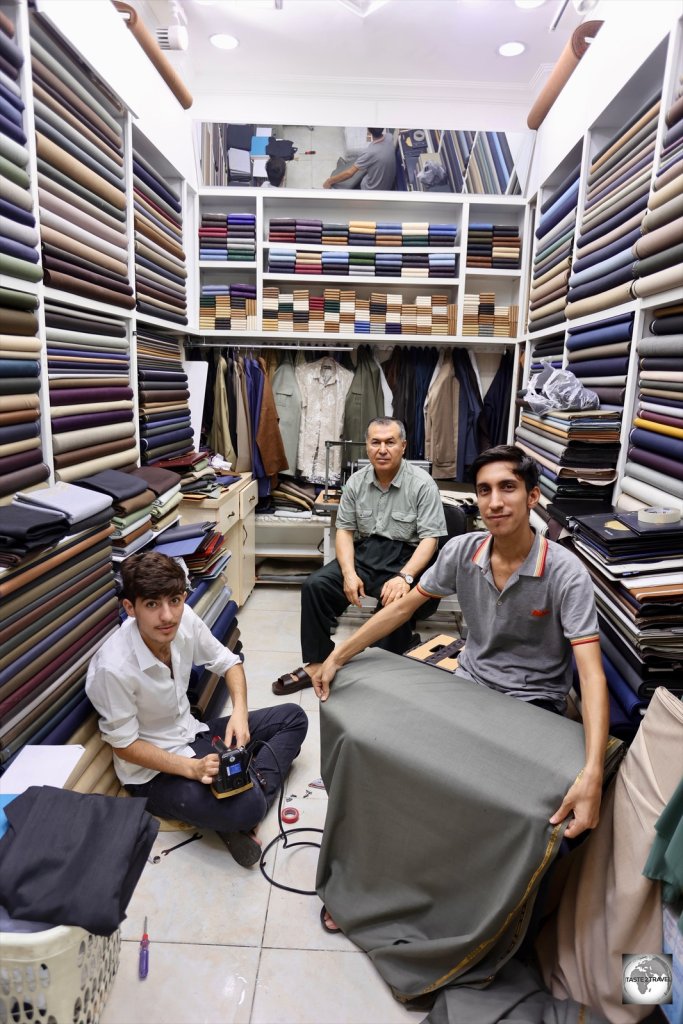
(528, 604)
(276, 169)
(377, 162)
(137, 682)
(389, 522)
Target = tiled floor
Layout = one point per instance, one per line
(310, 171)
(225, 945)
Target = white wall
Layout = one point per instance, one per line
(99, 33)
(631, 32)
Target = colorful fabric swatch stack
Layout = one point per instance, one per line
(483, 318)
(363, 233)
(227, 237)
(339, 311)
(227, 307)
(160, 266)
(493, 247)
(362, 264)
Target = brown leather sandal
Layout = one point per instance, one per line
(292, 682)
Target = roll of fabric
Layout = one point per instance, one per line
(661, 281)
(613, 297)
(567, 63)
(651, 496)
(114, 461)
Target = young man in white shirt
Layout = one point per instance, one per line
(138, 681)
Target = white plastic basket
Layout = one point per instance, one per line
(59, 976)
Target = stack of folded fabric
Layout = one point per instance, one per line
(227, 237)
(160, 270)
(81, 176)
(91, 399)
(553, 257)
(362, 264)
(18, 235)
(598, 354)
(612, 221)
(660, 250)
(653, 474)
(21, 456)
(198, 479)
(164, 485)
(550, 350)
(369, 233)
(345, 312)
(130, 514)
(335, 234)
(58, 606)
(577, 452)
(282, 261)
(290, 500)
(228, 307)
(637, 569)
(482, 317)
(493, 246)
(163, 394)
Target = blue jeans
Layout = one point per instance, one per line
(171, 796)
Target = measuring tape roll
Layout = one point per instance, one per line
(289, 815)
(659, 516)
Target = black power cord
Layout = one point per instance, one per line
(284, 834)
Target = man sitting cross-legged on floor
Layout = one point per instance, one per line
(389, 522)
(138, 681)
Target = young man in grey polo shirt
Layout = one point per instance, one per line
(528, 603)
(389, 522)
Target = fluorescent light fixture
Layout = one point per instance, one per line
(511, 49)
(223, 41)
(529, 5)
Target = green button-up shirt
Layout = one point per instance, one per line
(409, 509)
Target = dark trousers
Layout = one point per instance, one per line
(323, 599)
(170, 796)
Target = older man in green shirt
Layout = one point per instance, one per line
(388, 527)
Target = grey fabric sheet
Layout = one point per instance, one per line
(437, 832)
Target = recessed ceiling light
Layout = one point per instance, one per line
(529, 5)
(511, 49)
(222, 41)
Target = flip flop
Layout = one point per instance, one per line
(326, 927)
(291, 682)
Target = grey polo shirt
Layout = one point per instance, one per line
(519, 639)
(409, 510)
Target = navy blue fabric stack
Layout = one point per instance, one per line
(165, 429)
(552, 261)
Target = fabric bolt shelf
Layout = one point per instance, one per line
(164, 432)
(227, 237)
(59, 604)
(552, 261)
(90, 423)
(371, 233)
(21, 456)
(79, 144)
(160, 264)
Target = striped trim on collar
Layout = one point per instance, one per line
(483, 553)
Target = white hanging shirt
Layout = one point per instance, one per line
(324, 386)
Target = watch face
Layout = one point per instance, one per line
(408, 578)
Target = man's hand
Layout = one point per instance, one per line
(354, 588)
(323, 677)
(583, 798)
(327, 183)
(237, 729)
(203, 769)
(394, 589)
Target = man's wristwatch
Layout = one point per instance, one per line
(407, 577)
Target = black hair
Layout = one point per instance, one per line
(151, 575)
(524, 467)
(275, 170)
(376, 133)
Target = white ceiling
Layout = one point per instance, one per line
(448, 43)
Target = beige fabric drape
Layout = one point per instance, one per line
(607, 906)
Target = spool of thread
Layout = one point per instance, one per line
(658, 516)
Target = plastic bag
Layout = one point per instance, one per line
(432, 174)
(558, 389)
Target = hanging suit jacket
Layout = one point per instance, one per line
(287, 398)
(441, 420)
(219, 436)
(324, 386)
(268, 436)
(365, 399)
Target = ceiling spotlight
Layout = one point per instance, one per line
(511, 49)
(529, 5)
(222, 41)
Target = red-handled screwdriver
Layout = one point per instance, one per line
(143, 961)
